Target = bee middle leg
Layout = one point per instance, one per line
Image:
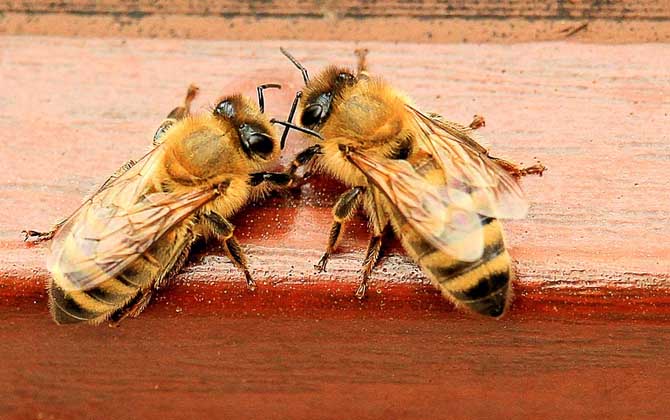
(343, 210)
(223, 230)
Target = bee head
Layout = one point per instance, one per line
(322, 93)
(255, 133)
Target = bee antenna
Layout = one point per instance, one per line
(296, 63)
(298, 128)
(291, 113)
(261, 99)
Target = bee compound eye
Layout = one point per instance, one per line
(260, 144)
(225, 108)
(311, 115)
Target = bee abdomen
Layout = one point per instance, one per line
(487, 296)
(101, 302)
(92, 306)
(481, 285)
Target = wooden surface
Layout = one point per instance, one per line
(587, 333)
(426, 21)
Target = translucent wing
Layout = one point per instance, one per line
(117, 224)
(473, 179)
(450, 227)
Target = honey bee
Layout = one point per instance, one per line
(425, 177)
(135, 232)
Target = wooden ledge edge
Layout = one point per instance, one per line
(197, 292)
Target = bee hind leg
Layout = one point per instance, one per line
(223, 230)
(35, 236)
(178, 113)
(133, 309)
(371, 258)
(478, 121)
(516, 170)
(343, 210)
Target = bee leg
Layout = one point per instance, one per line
(133, 309)
(266, 182)
(179, 113)
(371, 257)
(159, 135)
(240, 260)
(343, 210)
(274, 179)
(517, 171)
(477, 122)
(182, 112)
(35, 236)
(362, 64)
(303, 158)
(223, 230)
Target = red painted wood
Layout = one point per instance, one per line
(586, 336)
(171, 364)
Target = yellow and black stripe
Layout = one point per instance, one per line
(117, 296)
(480, 285)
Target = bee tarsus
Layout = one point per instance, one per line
(276, 179)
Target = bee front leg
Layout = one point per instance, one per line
(223, 230)
(273, 179)
(343, 210)
(302, 159)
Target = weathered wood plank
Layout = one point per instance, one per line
(172, 365)
(587, 334)
(575, 9)
(597, 116)
(353, 20)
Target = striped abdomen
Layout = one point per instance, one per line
(482, 285)
(125, 292)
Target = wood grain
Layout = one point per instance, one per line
(588, 330)
(597, 116)
(617, 9)
(431, 21)
(276, 367)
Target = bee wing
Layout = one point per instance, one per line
(117, 224)
(472, 177)
(448, 226)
